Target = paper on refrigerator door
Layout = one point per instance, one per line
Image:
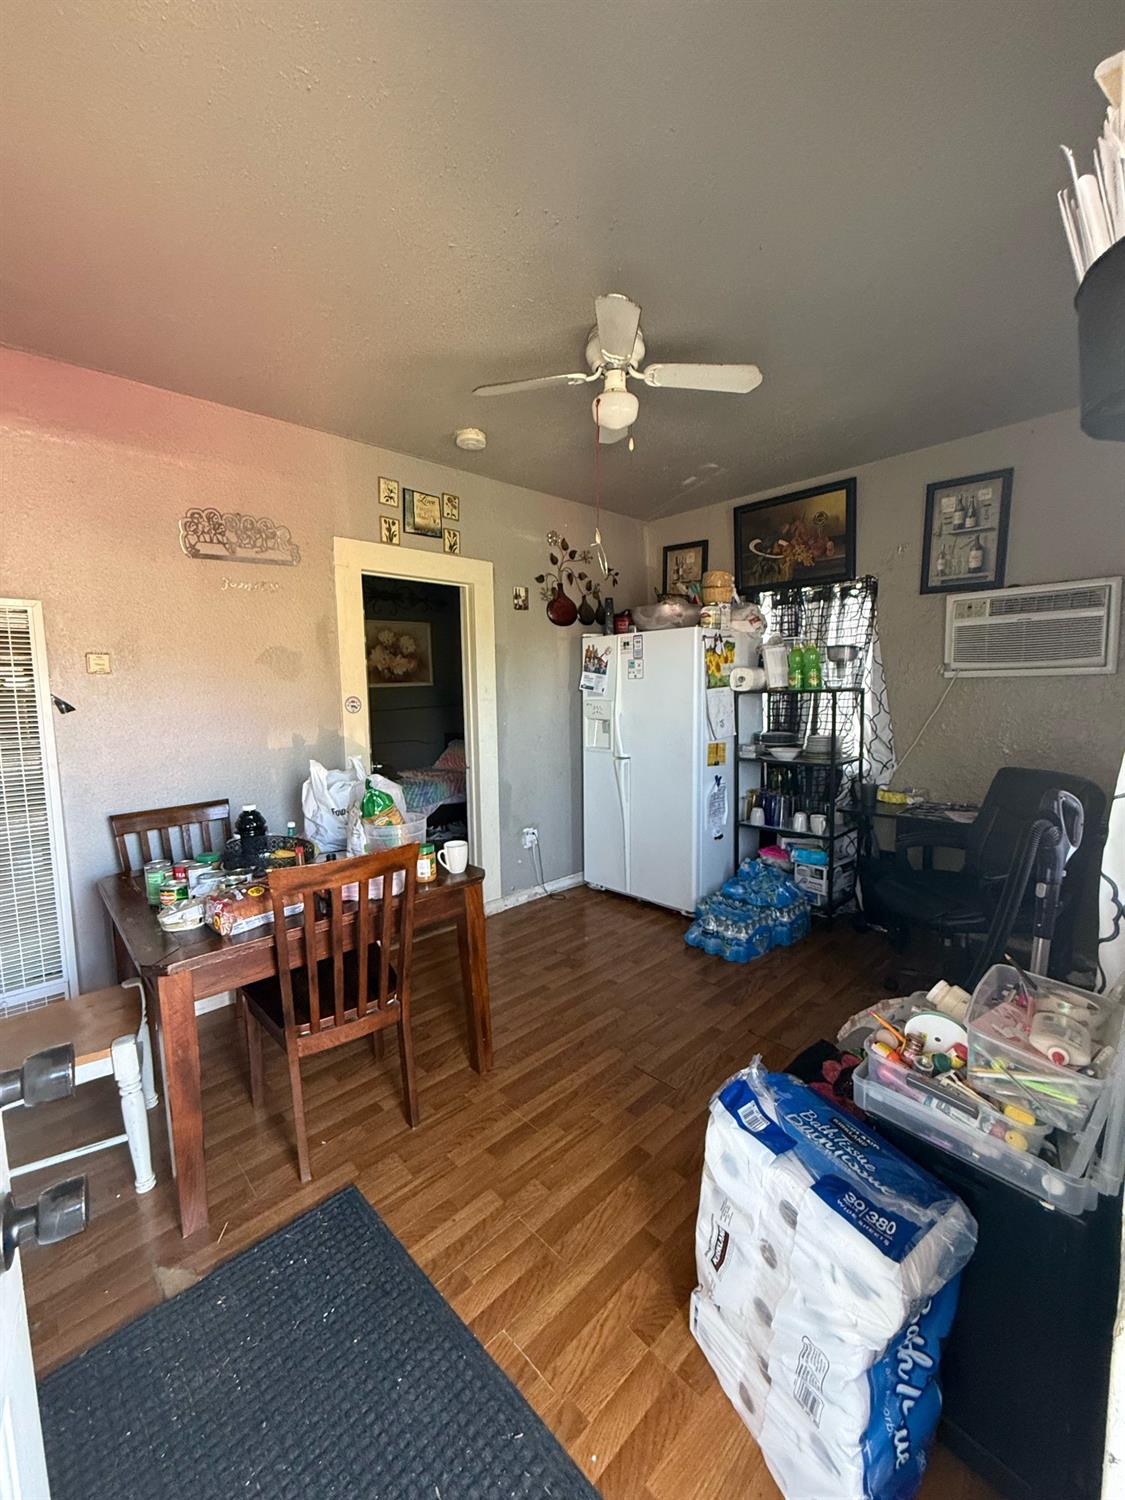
(718, 807)
(595, 669)
(720, 712)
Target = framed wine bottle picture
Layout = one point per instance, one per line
(965, 542)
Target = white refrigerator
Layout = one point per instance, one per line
(659, 762)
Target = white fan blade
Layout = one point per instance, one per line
(611, 434)
(508, 386)
(618, 322)
(738, 379)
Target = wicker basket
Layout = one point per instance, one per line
(717, 587)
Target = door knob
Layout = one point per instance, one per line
(44, 1076)
(60, 1211)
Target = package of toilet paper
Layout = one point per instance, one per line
(828, 1266)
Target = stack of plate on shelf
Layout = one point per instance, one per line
(819, 745)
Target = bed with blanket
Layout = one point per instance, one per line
(440, 786)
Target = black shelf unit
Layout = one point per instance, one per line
(821, 781)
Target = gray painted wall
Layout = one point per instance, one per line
(219, 692)
(1067, 521)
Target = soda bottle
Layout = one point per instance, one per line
(796, 667)
(811, 668)
(251, 824)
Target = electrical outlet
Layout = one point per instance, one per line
(530, 837)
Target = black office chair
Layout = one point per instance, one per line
(959, 907)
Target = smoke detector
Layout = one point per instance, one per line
(472, 439)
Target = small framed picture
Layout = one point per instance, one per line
(421, 513)
(388, 492)
(451, 541)
(451, 507)
(965, 541)
(389, 531)
(684, 566)
(519, 596)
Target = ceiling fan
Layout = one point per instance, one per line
(614, 351)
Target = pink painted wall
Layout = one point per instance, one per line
(219, 692)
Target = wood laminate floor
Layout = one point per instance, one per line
(552, 1202)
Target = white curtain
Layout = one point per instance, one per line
(1111, 894)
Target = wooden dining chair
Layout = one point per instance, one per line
(327, 1001)
(200, 818)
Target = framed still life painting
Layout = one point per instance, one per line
(684, 566)
(789, 541)
(965, 542)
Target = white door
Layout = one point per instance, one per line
(23, 1469)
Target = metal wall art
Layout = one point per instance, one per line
(561, 608)
(227, 536)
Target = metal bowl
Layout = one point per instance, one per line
(669, 614)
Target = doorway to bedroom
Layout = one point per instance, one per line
(473, 581)
(416, 696)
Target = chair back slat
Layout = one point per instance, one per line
(163, 822)
(336, 899)
(306, 882)
(386, 934)
(363, 945)
(312, 972)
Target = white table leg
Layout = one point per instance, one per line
(127, 1071)
(144, 1042)
(148, 1077)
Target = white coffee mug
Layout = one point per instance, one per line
(818, 823)
(454, 856)
(758, 817)
(800, 822)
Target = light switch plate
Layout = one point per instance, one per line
(98, 661)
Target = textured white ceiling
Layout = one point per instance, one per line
(346, 213)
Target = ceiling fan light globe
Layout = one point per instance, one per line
(615, 410)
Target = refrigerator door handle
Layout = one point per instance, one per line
(621, 777)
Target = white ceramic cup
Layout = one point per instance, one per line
(758, 817)
(818, 823)
(454, 856)
(800, 822)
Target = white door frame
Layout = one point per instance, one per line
(474, 579)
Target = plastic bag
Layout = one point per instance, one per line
(356, 841)
(324, 801)
(828, 1269)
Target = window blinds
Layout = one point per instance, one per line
(36, 942)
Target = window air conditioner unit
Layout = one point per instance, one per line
(1040, 630)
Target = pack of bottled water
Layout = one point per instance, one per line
(828, 1268)
(757, 909)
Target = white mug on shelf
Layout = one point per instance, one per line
(800, 822)
(454, 856)
(818, 823)
(758, 817)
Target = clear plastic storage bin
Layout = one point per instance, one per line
(1019, 1073)
(1091, 1161)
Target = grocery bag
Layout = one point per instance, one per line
(325, 797)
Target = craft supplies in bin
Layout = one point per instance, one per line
(1034, 1039)
(1082, 1165)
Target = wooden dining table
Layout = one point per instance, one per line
(180, 968)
